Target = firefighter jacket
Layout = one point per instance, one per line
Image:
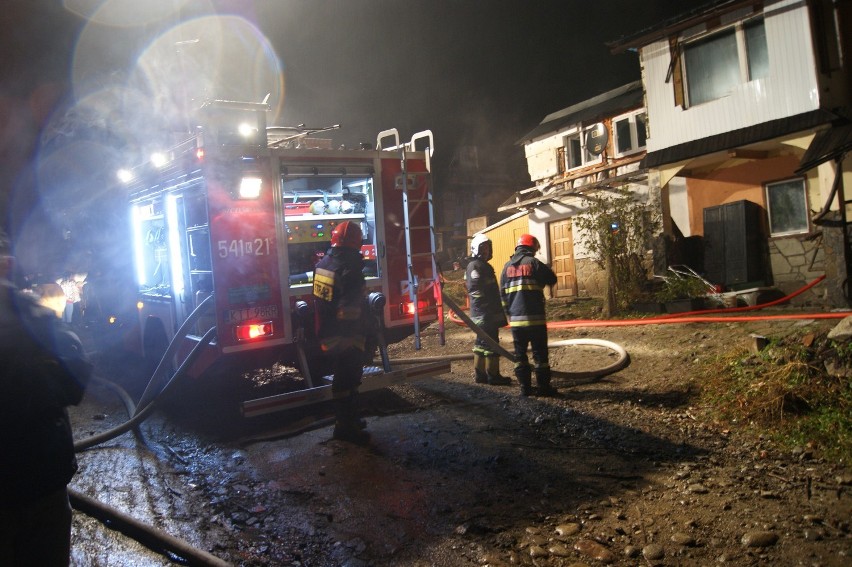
(484, 292)
(340, 301)
(522, 286)
(43, 369)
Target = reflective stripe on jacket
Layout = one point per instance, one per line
(522, 286)
(339, 297)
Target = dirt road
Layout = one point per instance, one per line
(624, 470)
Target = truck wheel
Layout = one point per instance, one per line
(154, 343)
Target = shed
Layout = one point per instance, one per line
(504, 236)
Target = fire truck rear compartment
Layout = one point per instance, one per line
(243, 222)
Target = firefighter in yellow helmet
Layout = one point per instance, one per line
(486, 311)
(522, 286)
(343, 324)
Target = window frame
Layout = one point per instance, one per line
(769, 206)
(580, 135)
(743, 58)
(635, 147)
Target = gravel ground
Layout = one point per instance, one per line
(625, 469)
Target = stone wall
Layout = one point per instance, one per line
(797, 261)
(591, 279)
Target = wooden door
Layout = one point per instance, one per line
(562, 258)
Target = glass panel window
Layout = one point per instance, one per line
(575, 154)
(588, 156)
(756, 50)
(787, 206)
(623, 139)
(712, 67)
(629, 133)
(716, 64)
(641, 130)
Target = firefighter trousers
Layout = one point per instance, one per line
(534, 337)
(348, 367)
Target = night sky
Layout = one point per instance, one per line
(80, 94)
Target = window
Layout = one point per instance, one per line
(575, 151)
(756, 52)
(629, 133)
(787, 206)
(716, 64)
(576, 154)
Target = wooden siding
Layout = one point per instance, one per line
(790, 88)
(504, 237)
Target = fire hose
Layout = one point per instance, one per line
(143, 533)
(155, 538)
(621, 362)
(148, 535)
(687, 317)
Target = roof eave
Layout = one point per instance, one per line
(677, 24)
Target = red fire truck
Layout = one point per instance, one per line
(241, 213)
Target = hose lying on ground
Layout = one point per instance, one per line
(702, 316)
(148, 536)
(142, 412)
(622, 361)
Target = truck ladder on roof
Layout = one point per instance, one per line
(414, 282)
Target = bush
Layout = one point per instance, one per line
(617, 228)
(799, 394)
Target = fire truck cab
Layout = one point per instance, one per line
(244, 216)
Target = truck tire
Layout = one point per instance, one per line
(154, 343)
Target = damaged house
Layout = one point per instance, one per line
(748, 107)
(585, 149)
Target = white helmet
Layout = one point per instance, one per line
(478, 241)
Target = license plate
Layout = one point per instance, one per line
(249, 313)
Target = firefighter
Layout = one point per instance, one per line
(343, 324)
(522, 286)
(486, 310)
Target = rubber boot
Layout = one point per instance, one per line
(480, 375)
(524, 377)
(492, 369)
(543, 387)
(347, 426)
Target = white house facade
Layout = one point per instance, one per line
(585, 149)
(747, 123)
